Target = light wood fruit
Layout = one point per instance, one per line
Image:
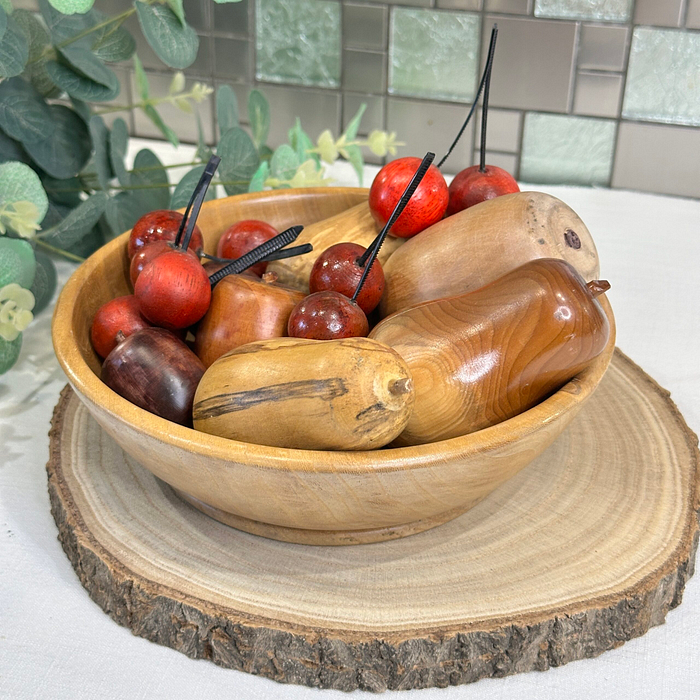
(482, 243)
(321, 494)
(586, 548)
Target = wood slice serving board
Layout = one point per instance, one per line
(582, 550)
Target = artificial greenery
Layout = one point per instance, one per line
(65, 188)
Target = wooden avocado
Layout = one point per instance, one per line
(349, 394)
(480, 358)
(480, 244)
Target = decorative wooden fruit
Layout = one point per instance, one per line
(150, 252)
(242, 237)
(355, 225)
(327, 316)
(483, 357)
(155, 371)
(477, 246)
(243, 309)
(350, 394)
(120, 314)
(161, 225)
(471, 186)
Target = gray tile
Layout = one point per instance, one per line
(241, 92)
(32, 5)
(534, 63)
(507, 161)
(431, 126)
(692, 18)
(598, 95)
(372, 119)
(658, 158)
(602, 48)
(146, 54)
(184, 124)
(197, 14)
(231, 17)
(364, 71)
(502, 130)
(413, 3)
(365, 26)
(513, 7)
(610, 10)
(232, 58)
(202, 64)
(459, 4)
(317, 110)
(662, 13)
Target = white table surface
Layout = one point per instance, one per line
(56, 643)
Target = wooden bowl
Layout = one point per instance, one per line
(304, 496)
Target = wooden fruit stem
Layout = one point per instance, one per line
(257, 254)
(598, 287)
(472, 109)
(279, 255)
(485, 104)
(195, 204)
(367, 258)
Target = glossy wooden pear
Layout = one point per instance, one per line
(244, 309)
(349, 394)
(355, 225)
(480, 244)
(483, 357)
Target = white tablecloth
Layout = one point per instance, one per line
(56, 643)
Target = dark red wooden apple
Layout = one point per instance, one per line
(120, 314)
(242, 237)
(161, 225)
(338, 269)
(472, 186)
(327, 316)
(426, 207)
(148, 253)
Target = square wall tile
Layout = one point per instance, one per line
(196, 14)
(365, 26)
(232, 58)
(692, 17)
(662, 13)
(414, 3)
(372, 119)
(563, 149)
(507, 161)
(598, 95)
(602, 48)
(364, 71)
(298, 42)
(431, 126)
(610, 10)
(534, 62)
(658, 158)
(231, 17)
(513, 7)
(663, 78)
(202, 64)
(434, 54)
(469, 5)
(502, 130)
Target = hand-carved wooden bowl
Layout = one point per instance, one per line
(311, 497)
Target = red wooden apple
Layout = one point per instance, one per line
(120, 314)
(472, 186)
(327, 316)
(242, 237)
(161, 225)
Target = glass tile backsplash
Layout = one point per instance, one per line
(584, 91)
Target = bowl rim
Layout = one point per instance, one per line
(90, 386)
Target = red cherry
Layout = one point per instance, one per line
(146, 254)
(120, 314)
(425, 208)
(327, 316)
(173, 290)
(337, 269)
(471, 187)
(242, 237)
(161, 225)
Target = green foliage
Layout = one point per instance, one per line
(226, 109)
(3, 22)
(14, 48)
(79, 222)
(185, 188)
(71, 7)
(174, 43)
(39, 42)
(118, 143)
(44, 283)
(239, 160)
(9, 352)
(284, 163)
(149, 173)
(18, 182)
(257, 182)
(259, 117)
(17, 262)
(101, 158)
(24, 114)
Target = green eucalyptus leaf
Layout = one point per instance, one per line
(354, 125)
(203, 151)
(63, 27)
(72, 7)
(176, 45)
(14, 49)
(17, 262)
(64, 153)
(222, 2)
(9, 352)
(44, 282)
(185, 188)
(354, 155)
(65, 192)
(152, 114)
(39, 40)
(239, 160)
(113, 44)
(257, 182)
(78, 223)
(259, 116)
(11, 150)
(302, 144)
(284, 163)
(78, 85)
(7, 6)
(57, 212)
(177, 8)
(226, 109)
(83, 61)
(18, 182)
(123, 211)
(100, 141)
(3, 21)
(141, 79)
(24, 114)
(88, 244)
(149, 171)
(118, 145)
(82, 109)
(265, 153)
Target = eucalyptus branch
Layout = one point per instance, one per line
(117, 19)
(59, 251)
(153, 101)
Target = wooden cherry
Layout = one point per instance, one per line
(338, 269)
(120, 314)
(148, 253)
(161, 225)
(242, 237)
(327, 316)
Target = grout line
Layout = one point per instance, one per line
(574, 69)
